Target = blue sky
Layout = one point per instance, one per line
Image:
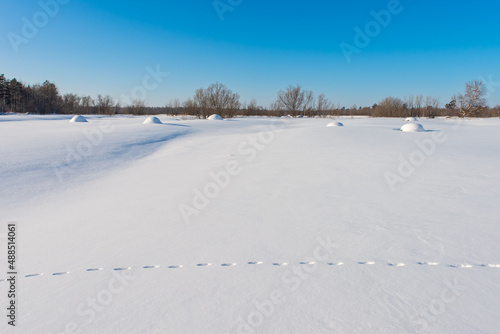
(260, 47)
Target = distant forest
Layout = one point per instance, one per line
(18, 97)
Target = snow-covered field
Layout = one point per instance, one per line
(251, 225)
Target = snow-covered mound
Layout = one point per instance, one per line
(214, 117)
(152, 120)
(78, 119)
(335, 124)
(411, 119)
(412, 127)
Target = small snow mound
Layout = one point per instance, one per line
(78, 119)
(152, 120)
(214, 117)
(412, 127)
(335, 124)
(411, 119)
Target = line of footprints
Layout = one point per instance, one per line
(279, 264)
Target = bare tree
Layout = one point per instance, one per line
(390, 107)
(217, 98)
(174, 107)
(295, 100)
(323, 105)
(104, 105)
(473, 101)
(137, 107)
(86, 105)
(70, 103)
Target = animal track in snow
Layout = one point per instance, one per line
(255, 262)
(336, 263)
(367, 262)
(397, 264)
(62, 273)
(311, 262)
(428, 263)
(122, 268)
(491, 265)
(460, 265)
(228, 264)
(33, 275)
(203, 264)
(150, 267)
(280, 264)
(175, 267)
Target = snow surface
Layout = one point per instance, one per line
(411, 119)
(152, 120)
(309, 230)
(412, 127)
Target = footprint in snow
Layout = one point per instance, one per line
(203, 264)
(280, 264)
(150, 267)
(335, 263)
(367, 262)
(122, 269)
(428, 263)
(311, 262)
(228, 264)
(255, 262)
(175, 267)
(491, 265)
(94, 269)
(33, 275)
(398, 264)
(61, 273)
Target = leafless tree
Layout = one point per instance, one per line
(390, 107)
(295, 100)
(217, 98)
(70, 103)
(174, 107)
(473, 101)
(104, 105)
(137, 107)
(323, 105)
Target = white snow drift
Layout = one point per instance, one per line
(412, 127)
(335, 124)
(214, 117)
(152, 120)
(78, 119)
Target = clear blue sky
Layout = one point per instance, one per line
(92, 47)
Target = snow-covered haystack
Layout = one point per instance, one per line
(411, 119)
(412, 127)
(335, 124)
(78, 119)
(152, 120)
(214, 117)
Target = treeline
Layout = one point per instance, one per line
(294, 101)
